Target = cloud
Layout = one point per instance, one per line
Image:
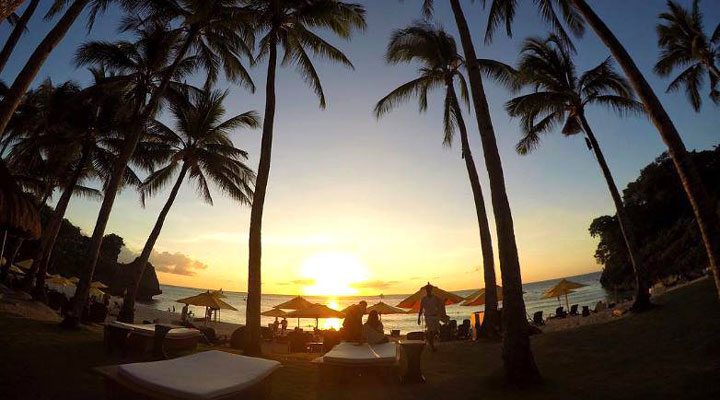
(374, 284)
(171, 263)
(175, 263)
(299, 282)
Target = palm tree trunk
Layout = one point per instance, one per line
(127, 312)
(37, 59)
(252, 311)
(518, 359)
(491, 322)
(52, 229)
(642, 295)
(16, 33)
(83, 288)
(704, 210)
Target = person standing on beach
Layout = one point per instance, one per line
(434, 309)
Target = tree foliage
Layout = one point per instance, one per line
(662, 215)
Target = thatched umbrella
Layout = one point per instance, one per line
(208, 300)
(18, 214)
(316, 311)
(413, 301)
(384, 308)
(8, 7)
(562, 288)
(477, 298)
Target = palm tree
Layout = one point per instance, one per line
(198, 147)
(288, 24)
(95, 139)
(18, 29)
(440, 67)
(559, 96)
(211, 32)
(704, 210)
(24, 79)
(684, 45)
(519, 363)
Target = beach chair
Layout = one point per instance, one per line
(586, 311)
(537, 318)
(395, 333)
(138, 338)
(416, 336)
(573, 310)
(209, 375)
(349, 360)
(560, 312)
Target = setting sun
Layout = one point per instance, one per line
(333, 274)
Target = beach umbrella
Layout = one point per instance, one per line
(562, 288)
(95, 292)
(208, 300)
(59, 281)
(98, 285)
(297, 303)
(477, 298)
(383, 308)
(413, 301)
(274, 312)
(17, 271)
(316, 311)
(218, 293)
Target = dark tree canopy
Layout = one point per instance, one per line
(661, 213)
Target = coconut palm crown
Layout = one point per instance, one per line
(685, 46)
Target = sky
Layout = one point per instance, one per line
(361, 206)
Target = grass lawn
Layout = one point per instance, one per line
(671, 352)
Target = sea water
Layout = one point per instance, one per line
(588, 296)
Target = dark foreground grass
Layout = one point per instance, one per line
(671, 352)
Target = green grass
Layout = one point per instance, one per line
(672, 351)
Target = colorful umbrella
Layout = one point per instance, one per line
(413, 301)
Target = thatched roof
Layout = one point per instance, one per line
(18, 214)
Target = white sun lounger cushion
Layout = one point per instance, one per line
(149, 330)
(352, 353)
(200, 376)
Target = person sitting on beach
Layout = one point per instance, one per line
(352, 325)
(433, 308)
(373, 330)
(283, 325)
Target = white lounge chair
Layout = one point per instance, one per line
(347, 360)
(139, 337)
(210, 375)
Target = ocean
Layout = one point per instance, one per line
(588, 295)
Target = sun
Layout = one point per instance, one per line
(333, 274)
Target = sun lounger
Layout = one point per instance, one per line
(363, 354)
(138, 338)
(358, 359)
(210, 375)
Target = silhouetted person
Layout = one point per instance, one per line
(434, 309)
(373, 329)
(184, 313)
(283, 325)
(352, 325)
